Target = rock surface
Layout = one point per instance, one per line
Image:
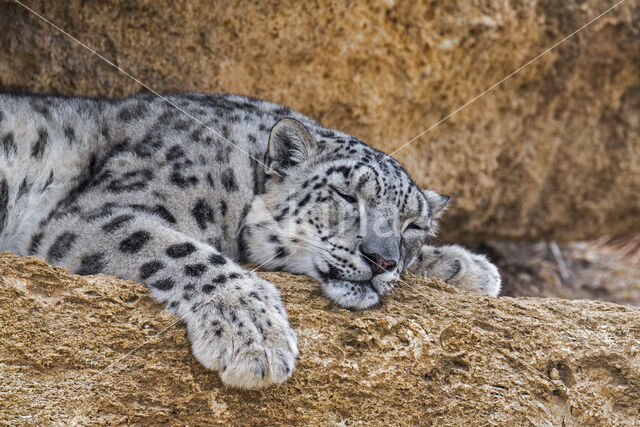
(605, 270)
(99, 350)
(552, 153)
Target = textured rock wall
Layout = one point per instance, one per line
(553, 152)
(98, 350)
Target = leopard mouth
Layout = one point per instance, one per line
(350, 294)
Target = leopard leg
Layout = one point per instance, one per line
(458, 267)
(235, 320)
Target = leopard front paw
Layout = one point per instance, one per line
(245, 335)
(458, 267)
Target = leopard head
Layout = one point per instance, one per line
(339, 211)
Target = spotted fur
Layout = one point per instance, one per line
(178, 194)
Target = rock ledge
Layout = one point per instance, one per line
(99, 350)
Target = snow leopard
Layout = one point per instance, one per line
(182, 192)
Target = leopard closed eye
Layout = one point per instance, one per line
(136, 188)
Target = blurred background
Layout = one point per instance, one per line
(544, 168)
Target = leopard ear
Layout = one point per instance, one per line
(438, 202)
(289, 144)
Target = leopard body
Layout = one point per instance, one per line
(179, 192)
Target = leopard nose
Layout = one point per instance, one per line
(378, 264)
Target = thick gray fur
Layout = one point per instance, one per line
(178, 197)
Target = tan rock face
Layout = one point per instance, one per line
(99, 350)
(552, 152)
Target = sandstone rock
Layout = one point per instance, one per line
(553, 152)
(99, 350)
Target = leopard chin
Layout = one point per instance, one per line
(353, 295)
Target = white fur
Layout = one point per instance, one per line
(458, 267)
